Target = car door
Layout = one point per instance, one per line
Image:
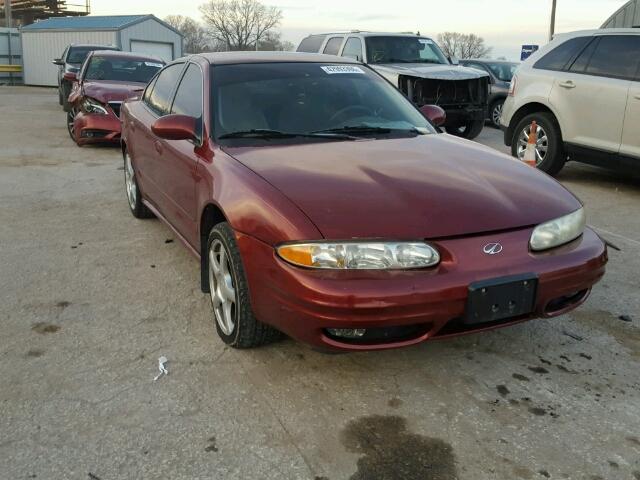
(631, 131)
(147, 153)
(590, 96)
(179, 158)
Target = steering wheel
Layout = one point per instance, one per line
(351, 108)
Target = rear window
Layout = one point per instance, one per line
(562, 55)
(79, 54)
(311, 44)
(333, 45)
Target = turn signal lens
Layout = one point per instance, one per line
(360, 256)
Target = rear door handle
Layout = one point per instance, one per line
(567, 84)
(158, 146)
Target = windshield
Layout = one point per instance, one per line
(79, 54)
(503, 71)
(122, 69)
(319, 101)
(403, 50)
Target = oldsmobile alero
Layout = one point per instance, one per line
(321, 203)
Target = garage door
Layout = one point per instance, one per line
(160, 50)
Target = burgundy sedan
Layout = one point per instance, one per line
(321, 203)
(106, 79)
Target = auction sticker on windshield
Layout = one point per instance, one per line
(331, 69)
(153, 64)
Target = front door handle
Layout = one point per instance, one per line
(158, 146)
(567, 84)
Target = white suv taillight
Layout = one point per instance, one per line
(512, 86)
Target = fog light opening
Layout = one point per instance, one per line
(347, 332)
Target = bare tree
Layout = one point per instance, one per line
(195, 36)
(239, 24)
(463, 45)
(272, 41)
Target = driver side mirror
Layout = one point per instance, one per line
(57, 61)
(175, 127)
(434, 113)
(70, 76)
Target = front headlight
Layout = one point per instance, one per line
(360, 255)
(90, 105)
(559, 231)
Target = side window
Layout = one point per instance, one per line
(64, 54)
(559, 57)
(583, 59)
(616, 56)
(333, 45)
(148, 90)
(160, 97)
(353, 48)
(311, 44)
(188, 99)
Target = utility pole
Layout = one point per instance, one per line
(552, 26)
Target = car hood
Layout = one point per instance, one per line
(428, 186)
(111, 91)
(429, 70)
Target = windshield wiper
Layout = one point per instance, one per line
(270, 134)
(361, 130)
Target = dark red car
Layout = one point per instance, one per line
(321, 203)
(106, 79)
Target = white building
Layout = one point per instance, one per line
(627, 16)
(45, 40)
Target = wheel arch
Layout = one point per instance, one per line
(212, 214)
(528, 109)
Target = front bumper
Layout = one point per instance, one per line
(94, 128)
(462, 116)
(303, 303)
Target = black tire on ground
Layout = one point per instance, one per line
(136, 205)
(66, 91)
(555, 157)
(469, 131)
(70, 128)
(59, 97)
(248, 331)
(495, 109)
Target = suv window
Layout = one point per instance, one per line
(333, 45)
(559, 57)
(615, 56)
(188, 99)
(160, 97)
(353, 48)
(311, 44)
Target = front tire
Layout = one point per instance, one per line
(71, 118)
(495, 112)
(235, 322)
(470, 130)
(550, 156)
(134, 198)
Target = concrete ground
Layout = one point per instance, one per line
(90, 297)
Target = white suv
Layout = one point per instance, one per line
(583, 90)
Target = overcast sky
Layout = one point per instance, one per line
(505, 24)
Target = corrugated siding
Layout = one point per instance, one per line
(626, 17)
(16, 53)
(40, 48)
(151, 31)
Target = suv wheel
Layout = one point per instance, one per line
(234, 319)
(469, 131)
(134, 198)
(550, 157)
(495, 111)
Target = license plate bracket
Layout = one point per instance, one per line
(501, 298)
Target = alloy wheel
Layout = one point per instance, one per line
(542, 145)
(222, 287)
(496, 114)
(70, 124)
(130, 181)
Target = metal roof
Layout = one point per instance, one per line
(107, 22)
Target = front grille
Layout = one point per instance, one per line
(115, 106)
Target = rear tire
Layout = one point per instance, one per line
(554, 157)
(235, 322)
(134, 197)
(60, 102)
(469, 131)
(495, 111)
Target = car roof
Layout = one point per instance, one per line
(230, 58)
(486, 60)
(109, 47)
(130, 55)
(365, 33)
(600, 31)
